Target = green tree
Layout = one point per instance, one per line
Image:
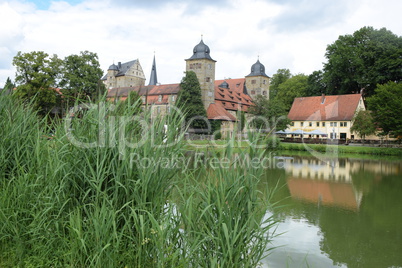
(189, 101)
(270, 114)
(280, 77)
(81, 74)
(37, 76)
(8, 87)
(315, 84)
(292, 88)
(363, 60)
(386, 105)
(363, 124)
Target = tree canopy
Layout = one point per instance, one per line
(8, 87)
(362, 60)
(292, 88)
(278, 78)
(270, 113)
(363, 124)
(386, 105)
(189, 100)
(39, 77)
(81, 75)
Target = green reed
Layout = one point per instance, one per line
(104, 191)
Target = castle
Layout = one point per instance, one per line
(222, 99)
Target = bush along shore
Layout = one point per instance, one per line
(105, 190)
(340, 149)
(274, 144)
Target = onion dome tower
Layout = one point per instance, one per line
(257, 82)
(204, 67)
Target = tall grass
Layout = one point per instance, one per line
(105, 192)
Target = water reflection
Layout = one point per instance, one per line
(338, 213)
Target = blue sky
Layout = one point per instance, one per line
(45, 4)
(289, 34)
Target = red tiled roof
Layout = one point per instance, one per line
(154, 99)
(124, 91)
(216, 111)
(233, 97)
(169, 89)
(165, 89)
(321, 108)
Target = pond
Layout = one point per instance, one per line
(340, 212)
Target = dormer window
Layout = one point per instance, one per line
(160, 98)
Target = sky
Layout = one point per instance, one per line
(291, 34)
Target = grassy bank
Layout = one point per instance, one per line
(295, 147)
(106, 191)
(340, 149)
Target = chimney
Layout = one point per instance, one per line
(119, 65)
(322, 98)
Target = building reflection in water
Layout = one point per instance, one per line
(329, 182)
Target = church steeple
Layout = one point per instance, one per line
(153, 80)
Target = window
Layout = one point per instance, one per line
(292, 123)
(310, 124)
(343, 124)
(210, 66)
(160, 98)
(207, 79)
(333, 124)
(253, 81)
(264, 93)
(264, 81)
(301, 124)
(317, 124)
(323, 124)
(173, 98)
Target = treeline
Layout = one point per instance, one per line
(44, 77)
(362, 60)
(368, 60)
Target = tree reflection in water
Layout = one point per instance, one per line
(355, 204)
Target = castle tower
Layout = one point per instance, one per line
(127, 74)
(257, 82)
(204, 67)
(111, 76)
(153, 80)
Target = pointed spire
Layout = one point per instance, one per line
(154, 79)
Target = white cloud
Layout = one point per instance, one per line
(292, 35)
